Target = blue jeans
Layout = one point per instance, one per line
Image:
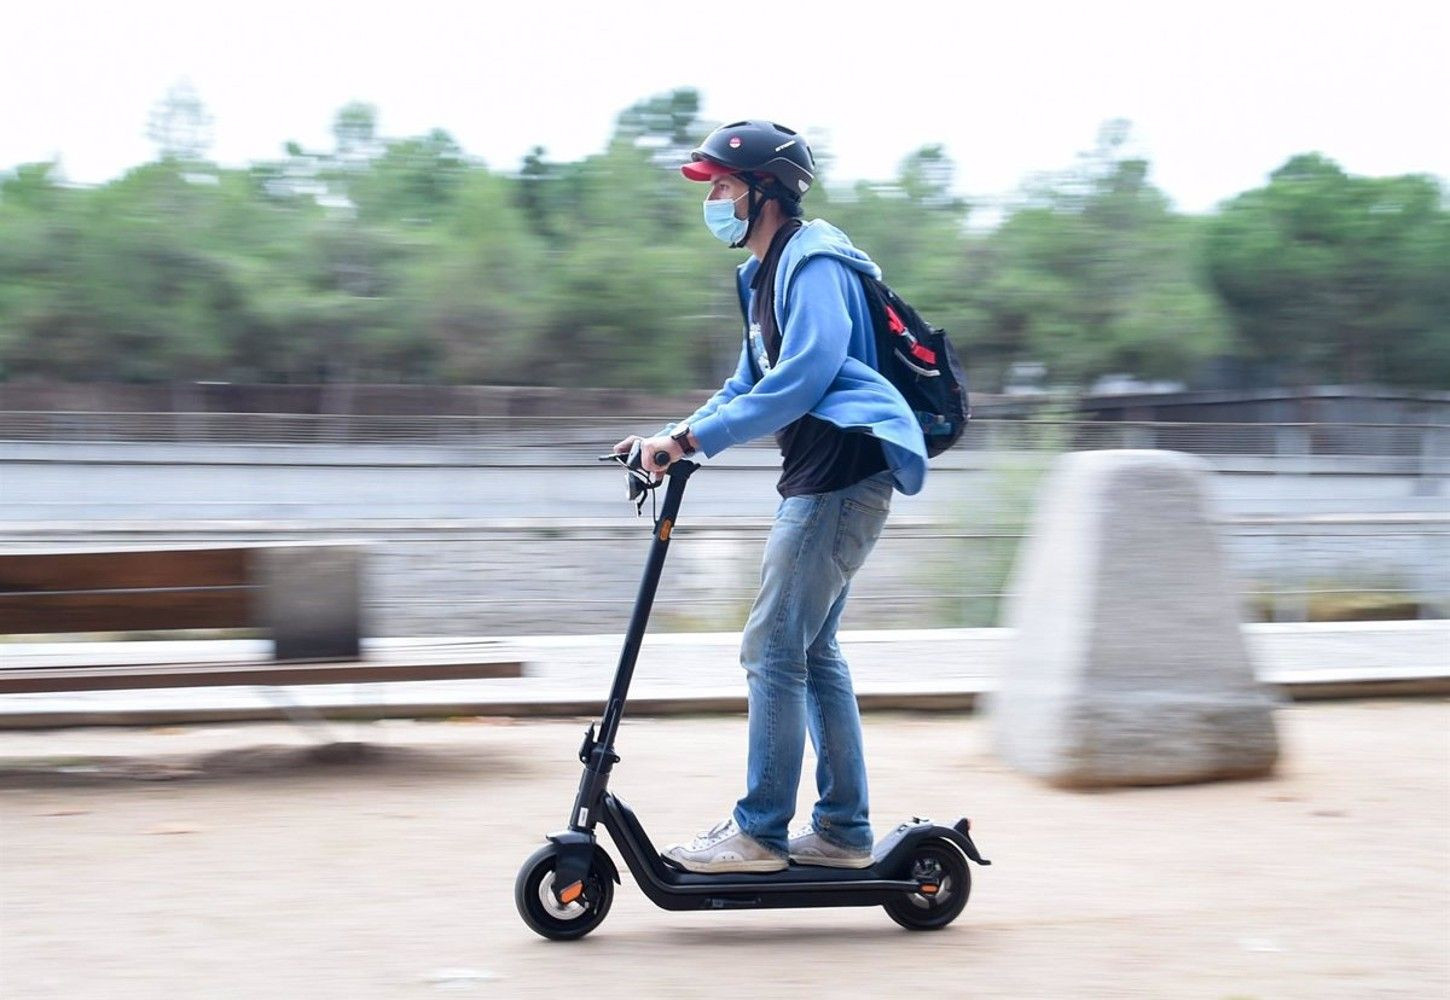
(795, 675)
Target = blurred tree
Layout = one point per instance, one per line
(1093, 274)
(180, 126)
(473, 289)
(32, 187)
(927, 176)
(119, 288)
(31, 207)
(914, 227)
(354, 130)
(536, 195)
(1342, 279)
(667, 124)
(628, 275)
(402, 259)
(414, 181)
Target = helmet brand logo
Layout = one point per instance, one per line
(786, 145)
(735, 142)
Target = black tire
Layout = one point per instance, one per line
(944, 864)
(534, 897)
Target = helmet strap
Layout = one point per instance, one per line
(753, 206)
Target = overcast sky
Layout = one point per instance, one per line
(1220, 93)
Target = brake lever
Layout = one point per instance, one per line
(640, 481)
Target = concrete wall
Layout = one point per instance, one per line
(475, 540)
(579, 576)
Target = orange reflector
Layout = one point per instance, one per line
(572, 893)
(928, 890)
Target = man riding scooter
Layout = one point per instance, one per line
(807, 374)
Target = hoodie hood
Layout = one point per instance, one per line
(860, 398)
(812, 239)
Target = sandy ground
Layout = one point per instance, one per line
(230, 862)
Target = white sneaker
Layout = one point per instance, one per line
(807, 847)
(724, 848)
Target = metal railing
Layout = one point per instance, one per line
(1423, 441)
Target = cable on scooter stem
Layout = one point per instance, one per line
(640, 481)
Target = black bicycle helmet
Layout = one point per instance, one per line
(755, 147)
(774, 161)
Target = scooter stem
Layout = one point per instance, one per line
(678, 474)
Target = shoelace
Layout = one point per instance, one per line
(720, 831)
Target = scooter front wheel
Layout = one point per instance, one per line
(946, 882)
(545, 915)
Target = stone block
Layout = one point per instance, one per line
(1127, 664)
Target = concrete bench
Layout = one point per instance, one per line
(306, 596)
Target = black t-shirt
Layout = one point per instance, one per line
(816, 456)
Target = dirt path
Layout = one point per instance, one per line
(272, 875)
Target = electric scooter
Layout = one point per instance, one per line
(919, 871)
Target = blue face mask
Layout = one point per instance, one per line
(720, 217)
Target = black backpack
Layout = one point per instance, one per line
(918, 359)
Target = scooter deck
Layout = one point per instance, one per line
(797, 885)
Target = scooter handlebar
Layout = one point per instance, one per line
(632, 458)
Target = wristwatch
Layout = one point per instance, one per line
(681, 437)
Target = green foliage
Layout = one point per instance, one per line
(413, 183)
(403, 259)
(1094, 274)
(1339, 278)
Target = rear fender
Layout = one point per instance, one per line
(960, 835)
(897, 847)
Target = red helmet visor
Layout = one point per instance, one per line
(706, 170)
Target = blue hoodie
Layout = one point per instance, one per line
(827, 363)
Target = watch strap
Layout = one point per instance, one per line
(681, 437)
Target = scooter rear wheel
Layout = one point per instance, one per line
(936, 863)
(545, 915)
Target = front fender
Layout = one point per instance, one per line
(578, 852)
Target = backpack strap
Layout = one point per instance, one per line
(745, 326)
